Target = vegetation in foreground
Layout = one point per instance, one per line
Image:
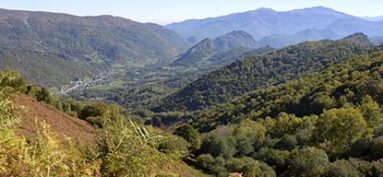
(329, 123)
(123, 147)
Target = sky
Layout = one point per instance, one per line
(167, 11)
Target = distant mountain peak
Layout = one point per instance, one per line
(235, 39)
(239, 33)
(265, 9)
(317, 10)
(207, 48)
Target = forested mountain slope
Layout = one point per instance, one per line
(328, 123)
(276, 67)
(52, 49)
(336, 86)
(231, 44)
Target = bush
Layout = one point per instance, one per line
(190, 134)
(287, 142)
(205, 161)
(276, 158)
(341, 168)
(308, 161)
(44, 96)
(217, 145)
(93, 110)
(249, 167)
(174, 145)
(248, 136)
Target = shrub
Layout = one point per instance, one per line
(205, 161)
(341, 168)
(308, 161)
(217, 145)
(93, 110)
(190, 134)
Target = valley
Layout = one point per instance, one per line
(259, 93)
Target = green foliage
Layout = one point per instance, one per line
(175, 146)
(347, 83)
(43, 95)
(306, 162)
(276, 158)
(127, 149)
(45, 156)
(248, 136)
(93, 110)
(250, 167)
(7, 113)
(190, 134)
(341, 168)
(73, 47)
(217, 145)
(338, 129)
(11, 79)
(205, 161)
(251, 73)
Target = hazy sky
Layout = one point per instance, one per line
(166, 11)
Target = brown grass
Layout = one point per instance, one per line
(65, 126)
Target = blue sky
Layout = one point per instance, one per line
(166, 11)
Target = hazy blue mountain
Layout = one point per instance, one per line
(235, 39)
(52, 49)
(378, 40)
(260, 23)
(378, 18)
(335, 30)
(208, 51)
(279, 41)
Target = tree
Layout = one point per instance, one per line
(250, 167)
(217, 146)
(205, 161)
(93, 110)
(44, 95)
(190, 134)
(248, 135)
(341, 168)
(308, 161)
(371, 112)
(337, 129)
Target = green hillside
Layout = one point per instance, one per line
(329, 123)
(276, 67)
(49, 44)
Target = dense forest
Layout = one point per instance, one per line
(328, 123)
(276, 67)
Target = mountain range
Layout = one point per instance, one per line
(377, 18)
(52, 49)
(280, 29)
